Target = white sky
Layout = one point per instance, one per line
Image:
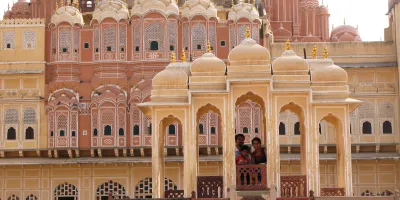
(369, 15)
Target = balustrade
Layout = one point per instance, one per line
(332, 192)
(251, 177)
(293, 186)
(210, 187)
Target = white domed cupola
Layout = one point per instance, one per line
(110, 27)
(65, 26)
(114, 9)
(249, 59)
(155, 29)
(199, 25)
(171, 84)
(242, 16)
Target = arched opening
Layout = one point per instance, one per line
(73, 134)
(337, 128)
(13, 197)
(153, 45)
(31, 197)
(149, 129)
(282, 129)
(171, 129)
(297, 128)
(11, 134)
(198, 47)
(367, 128)
(136, 130)
(62, 133)
(137, 48)
(66, 191)
(107, 130)
(95, 132)
(208, 119)
(29, 134)
(387, 127)
(144, 188)
(201, 129)
(319, 129)
(121, 132)
(116, 189)
(250, 112)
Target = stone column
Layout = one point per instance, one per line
(311, 152)
(190, 155)
(228, 159)
(273, 153)
(157, 159)
(343, 152)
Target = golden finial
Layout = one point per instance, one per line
(68, 2)
(344, 21)
(56, 5)
(325, 52)
(248, 32)
(208, 47)
(173, 58)
(233, 4)
(314, 52)
(62, 3)
(287, 46)
(254, 2)
(183, 56)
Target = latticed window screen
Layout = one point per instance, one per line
(154, 32)
(118, 191)
(109, 37)
(29, 39)
(66, 190)
(144, 188)
(29, 116)
(13, 197)
(11, 116)
(8, 40)
(65, 40)
(199, 36)
(31, 197)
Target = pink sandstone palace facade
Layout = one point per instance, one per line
(93, 106)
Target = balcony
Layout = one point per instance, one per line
(293, 186)
(251, 177)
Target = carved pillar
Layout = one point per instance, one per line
(344, 157)
(310, 152)
(190, 158)
(158, 163)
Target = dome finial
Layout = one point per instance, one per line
(208, 47)
(326, 53)
(173, 58)
(62, 3)
(56, 5)
(183, 56)
(233, 4)
(314, 52)
(287, 46)
(344, 21)
(248, 32)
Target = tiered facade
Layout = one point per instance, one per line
(91, 102)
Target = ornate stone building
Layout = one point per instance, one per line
(91, 102)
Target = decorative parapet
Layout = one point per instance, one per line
(16, 22)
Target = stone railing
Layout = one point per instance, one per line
(333, 192)
(293, 186)
(169, 195)
(210, 187)
(251, 177)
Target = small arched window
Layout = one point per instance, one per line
(282, 129)
(73, 134)
(171, 47)
(107, 130)
(256, 130)
(95, 132)
(245, 130)
(11, 134)
(201, 129)
(350, 129)
(136, 130)
(137, 48)
(51, 133)
(171, 129)
(297, 128)
(320, 129)
(198, 47)
(154, 45)
(387, 127)
(62, 133)
(213, 131)
(29, 134)
(367, 128)
(121, 132)
(150, 129)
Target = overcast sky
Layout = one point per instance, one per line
(369, 15)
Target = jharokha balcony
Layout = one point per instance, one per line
(251, 177)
